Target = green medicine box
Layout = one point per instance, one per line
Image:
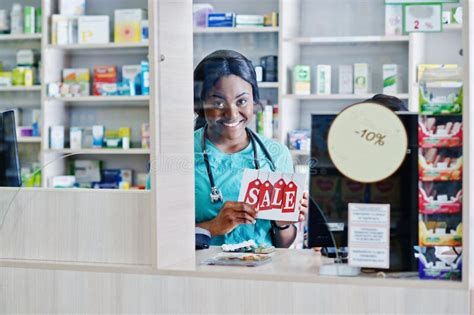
(302, 80)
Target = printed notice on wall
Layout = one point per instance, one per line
(369, 235)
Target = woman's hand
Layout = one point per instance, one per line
(303, 210)
(230, 216)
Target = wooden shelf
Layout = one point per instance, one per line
(18, 88)
(347, 39)
(338, 96)
(103, 151)
(268, 85)
(236, 30)
(87, 100)
(299, 152)
(109, 49)
(99, 46)
(28, 139)
(452, 27)
(20, 37)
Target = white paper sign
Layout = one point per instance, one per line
(422, 18)
(369, 235)
(276, 195)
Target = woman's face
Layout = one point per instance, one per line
(228, 108)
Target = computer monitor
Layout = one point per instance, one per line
(9, 160)
(332, 192)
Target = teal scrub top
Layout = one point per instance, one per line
(227, 170)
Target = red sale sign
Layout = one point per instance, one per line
(265, 196)
(253, 192)
(276, 198)
(289, 198)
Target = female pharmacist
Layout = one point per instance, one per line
(226, 95)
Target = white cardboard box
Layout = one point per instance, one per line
(346, 79)
(75, 135)
(59, 32)
(127, 25)
(94, 29)
(393, 19)
(323, 79)
(268, 121)
(57, 137)
(391, 79)
(72, 7)
(362, 78)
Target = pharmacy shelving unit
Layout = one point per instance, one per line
(111, 111)
(311, 34)
(429, 51)
(89, 217)
(23, 98)
(253, 42)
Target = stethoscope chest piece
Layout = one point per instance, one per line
(216, 195)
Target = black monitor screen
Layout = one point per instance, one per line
(333, 192)
(9, 161)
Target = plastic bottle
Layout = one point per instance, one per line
(16, 19)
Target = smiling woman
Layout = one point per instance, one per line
(224, 147)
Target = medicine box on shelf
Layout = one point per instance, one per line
(440, 263)
(431, 135)
(442, 205)
(128, 25)
(441, 91)
(443, 170)
(434, 233)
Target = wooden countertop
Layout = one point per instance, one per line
(285, 262)
(289, 265)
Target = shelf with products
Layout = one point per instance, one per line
(334, 74)
(91, 169)
(96, 74)
(20, 81)
(258, 38)
(72, 27)
(20, 88)
(437, 95)
(236, 30)
(20, 37)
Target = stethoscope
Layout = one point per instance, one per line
(216, 193)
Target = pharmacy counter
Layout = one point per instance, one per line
(289, 283)
(57, 248)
